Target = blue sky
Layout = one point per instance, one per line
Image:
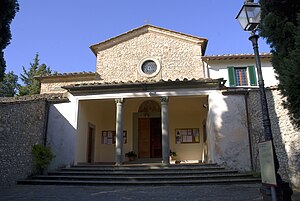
(61, 31)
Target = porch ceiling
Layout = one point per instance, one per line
(138, 86)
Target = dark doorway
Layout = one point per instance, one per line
(150, 144)
(90, 145)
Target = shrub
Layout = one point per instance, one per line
(42, 156)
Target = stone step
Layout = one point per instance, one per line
(141, 168)
(140, 177)
(143, 165)
(150, 173)
(141, 174)
(126, 183)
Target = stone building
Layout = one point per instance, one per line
(153, 91)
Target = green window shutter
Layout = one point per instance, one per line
(252, 75)
(231, 76)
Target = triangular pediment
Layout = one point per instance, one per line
(146, 29)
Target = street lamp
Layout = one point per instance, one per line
(249, 19)
(249, 15)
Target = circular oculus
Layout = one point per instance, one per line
(149, 67)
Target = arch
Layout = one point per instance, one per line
(149, 106)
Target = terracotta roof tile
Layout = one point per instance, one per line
(73, 74)
(57, 97)
(234, 56)
(145, 82)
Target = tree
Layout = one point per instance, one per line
(32, 85)
(8, 86)
(8, 10)
(280, 26)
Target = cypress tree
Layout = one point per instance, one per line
(280, 26)
(8, 10)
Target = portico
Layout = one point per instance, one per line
(164, 144)
(123, 124)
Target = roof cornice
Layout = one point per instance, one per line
(117, 87)
(235, 56)
(67, 75)
(52, 98)
(146, 29)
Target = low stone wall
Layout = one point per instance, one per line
(286, 136)
(22, 124)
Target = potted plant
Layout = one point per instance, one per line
(131, 155)
(173, 155)
(42, 156)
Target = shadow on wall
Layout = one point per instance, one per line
(229, 131)
(22, 125)
(282, 130)
(288, 140)
(61, 137)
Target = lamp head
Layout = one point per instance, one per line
(249, 15)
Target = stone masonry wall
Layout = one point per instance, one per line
(53, 84)
(22, 125)
(179, 59)
(286, 136)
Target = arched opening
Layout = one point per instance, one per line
(149, 130)
(149, 106)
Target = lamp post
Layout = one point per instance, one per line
(249, 19)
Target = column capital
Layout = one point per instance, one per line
(119, 100)
(164, 99)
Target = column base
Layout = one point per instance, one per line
(118, 164)
(165, 163)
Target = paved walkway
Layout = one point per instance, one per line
(243, 192)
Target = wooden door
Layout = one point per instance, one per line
(144, 138)
(90, 145)
(155, 135)
(150, 144)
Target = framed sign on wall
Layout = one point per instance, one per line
(109, 137)
(187, 135)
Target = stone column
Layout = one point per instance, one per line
(165, 130)
(119, 131)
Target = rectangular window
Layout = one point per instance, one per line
(242, 76)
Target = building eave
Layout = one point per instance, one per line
(67, 75)
(235, 57)
(51, 98)
(118, 87)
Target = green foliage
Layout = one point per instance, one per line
(8, 86)
(42, 156)
(8, 10)
(31, 83)
(281, 28)
(173, 153)
(131, 154)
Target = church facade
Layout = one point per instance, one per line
(154, 91)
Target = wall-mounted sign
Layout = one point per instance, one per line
(267, 167)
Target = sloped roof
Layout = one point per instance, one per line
(146, 29)
(90, 88)
(53, 98)
(235, 56)
(64, 75)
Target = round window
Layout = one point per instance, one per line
(149, 67)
